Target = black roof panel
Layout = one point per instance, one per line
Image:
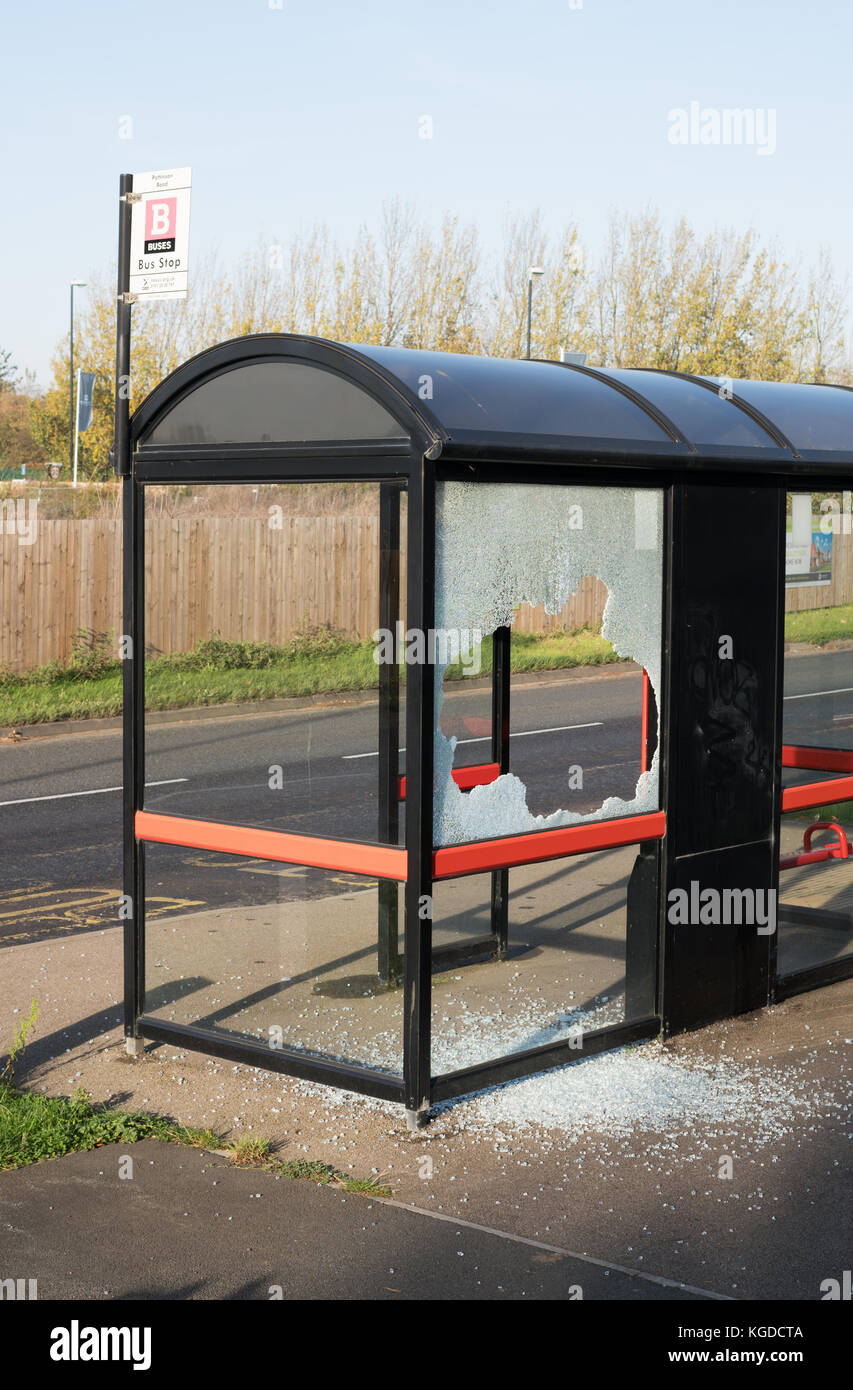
(705, 417)
(291, 389)
(501, 395)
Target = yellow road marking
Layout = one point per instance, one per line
(60, 917)
(171, 903)
(27, 893)
(103, 896)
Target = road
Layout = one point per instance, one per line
(60, 803)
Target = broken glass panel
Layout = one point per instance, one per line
(501, 546)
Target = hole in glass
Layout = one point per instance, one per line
(500, 546)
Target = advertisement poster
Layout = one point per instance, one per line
(808, 548)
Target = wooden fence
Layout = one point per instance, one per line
(240, 577)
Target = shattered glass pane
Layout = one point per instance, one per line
(500, 546)
(570, 969)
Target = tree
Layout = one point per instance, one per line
(17, 445)
(723, 305)
(8, 371)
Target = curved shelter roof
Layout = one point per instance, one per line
(273, 391)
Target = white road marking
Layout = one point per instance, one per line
(522, 733)
(816, 694)
(98, 791)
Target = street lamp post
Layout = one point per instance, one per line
(74, 285)
(533, 274)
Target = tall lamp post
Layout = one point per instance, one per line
(75, 284)
(533, 273)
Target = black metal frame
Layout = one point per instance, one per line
(423, 455)
(389, 959)
(826, 972)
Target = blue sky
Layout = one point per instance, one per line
(310, 112)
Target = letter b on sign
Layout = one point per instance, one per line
(160, 218)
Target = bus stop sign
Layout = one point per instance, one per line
(159, 234)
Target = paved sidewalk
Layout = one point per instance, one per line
(187, 1225)
(719, 1163)
(647, 1205)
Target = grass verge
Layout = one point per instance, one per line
(317, 661)
(36, 1127)
(258, 1153)
(819, 626)
(218, 672)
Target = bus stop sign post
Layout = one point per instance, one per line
(153, 247)
(153, 263)
(121, 458)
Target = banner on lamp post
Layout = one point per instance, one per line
(85, 389)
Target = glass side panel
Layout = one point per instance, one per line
(274, 402)
(815, 913)
(573, 961)
(264, 697)
(812, 417)
(816, 899)
(492, 395)
(280, 954)
(818, 704)
(577, 741)
(706, 417)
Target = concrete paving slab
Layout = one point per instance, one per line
(188, 1225)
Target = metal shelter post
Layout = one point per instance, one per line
(500, 754)
(420, 706)
(131, 639)
(389, 962)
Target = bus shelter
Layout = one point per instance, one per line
(471, 864)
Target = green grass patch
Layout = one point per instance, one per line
(35, 1127)
(248, 1153)
(318, 661)
(258, 1153)
(326, 1175)
(819, 626)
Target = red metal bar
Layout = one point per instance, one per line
(381, 861)
(644, 727)
(375, 861)
(817, 794)
(815, 856)
(457, 860)
(466, 777)
(820, 759)
(840, 850)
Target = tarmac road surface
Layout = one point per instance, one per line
(60, 799)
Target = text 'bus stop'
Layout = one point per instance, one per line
(434, 884)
